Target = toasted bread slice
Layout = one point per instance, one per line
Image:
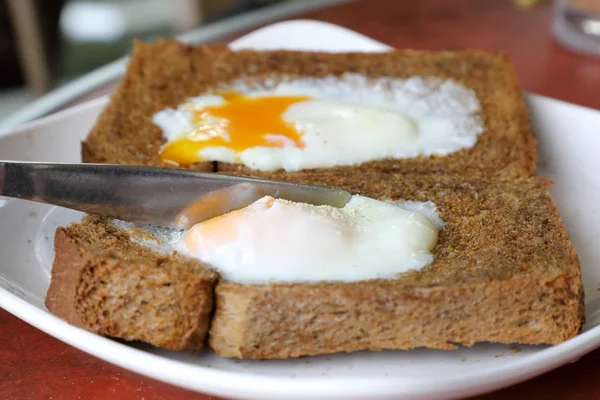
(104, 282)
(504, 268)
(504, 271)
(166, 73)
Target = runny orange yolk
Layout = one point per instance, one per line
(245, 122)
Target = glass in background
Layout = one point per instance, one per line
(576, 25)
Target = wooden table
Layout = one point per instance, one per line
(37, 366)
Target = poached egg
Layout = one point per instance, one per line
(275, 240)
(321, 122)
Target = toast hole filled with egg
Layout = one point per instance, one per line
(309, 123)
(279, 240)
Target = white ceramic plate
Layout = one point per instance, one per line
(568, 143)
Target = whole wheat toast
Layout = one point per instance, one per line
(504, 271)
(164, 74)
(106, 283)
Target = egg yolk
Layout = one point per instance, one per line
(239, 123)
(210, 234)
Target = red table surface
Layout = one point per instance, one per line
(34, 365)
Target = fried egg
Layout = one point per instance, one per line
(318, 123)
(275, 240)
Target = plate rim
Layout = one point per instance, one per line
(301, 387)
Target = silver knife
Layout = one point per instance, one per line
(168, 197)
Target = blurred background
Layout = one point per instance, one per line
(46, 43)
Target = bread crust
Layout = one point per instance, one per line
(283, 321)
